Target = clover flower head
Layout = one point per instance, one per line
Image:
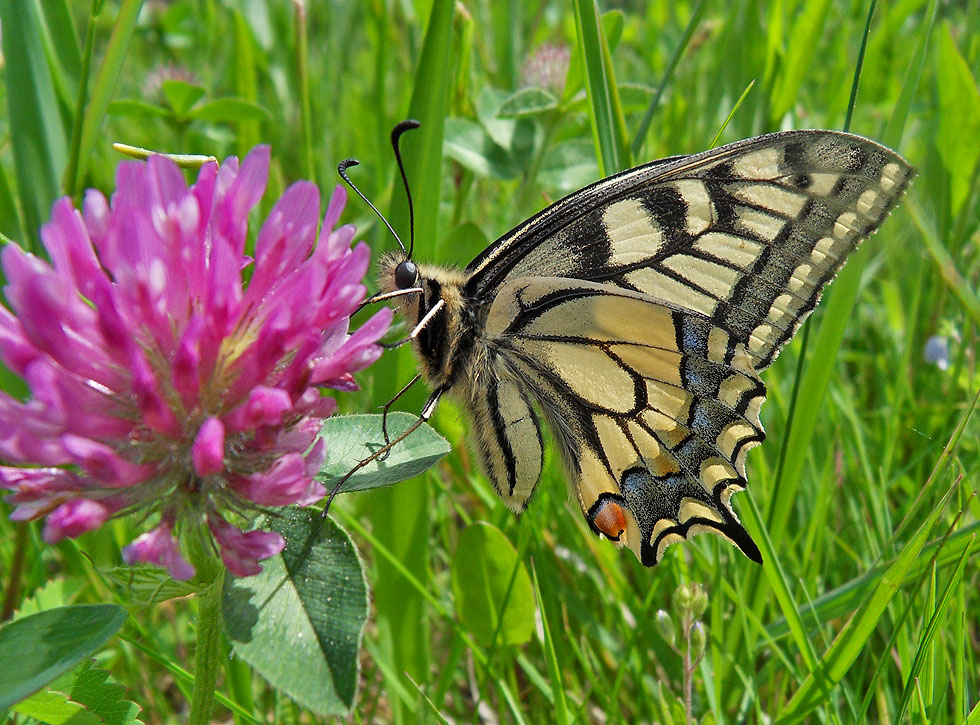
(547, 67)
(153, 83)
(161, 382)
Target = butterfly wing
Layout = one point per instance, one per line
(653, 407)
(634, 317)
(636, 314)
(505, 430)
(746, 235)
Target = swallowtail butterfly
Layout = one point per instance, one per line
(632, 320)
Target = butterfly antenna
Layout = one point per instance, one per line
(342, 170)
(396, 134)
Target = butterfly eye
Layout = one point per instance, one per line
(406, 274)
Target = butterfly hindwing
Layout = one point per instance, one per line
(506, 435)
(654, 407)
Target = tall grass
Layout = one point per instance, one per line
(866, 608)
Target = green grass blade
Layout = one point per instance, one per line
(605, 112)
(779, 582)
(246, 83)
(81, 98)
(428, 701)
(548, 646)
(928, 635)
(898, 118)
(803, 41)
(728, 118)
(396, 689)
(641, 131)
(108, 75)
(505, 19)
(844, 599)
(884, 663)
(960, 648)
(945, 459)
(948, 267)
(61, 51)
(422, 148)
(536, 677)
(852, 101)
(303, 81)
(241, 682)
(64, 42)
(854, 635)
(36, 131)
(838, 306)
(10, 222)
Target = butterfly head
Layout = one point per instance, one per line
(399, 277)
(401, 282)
(406, 275)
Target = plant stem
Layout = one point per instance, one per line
(69, 184)
(200, 551)
(11, 597)
(688, 684)
(688, 672)
(208, 653)
(303, 79)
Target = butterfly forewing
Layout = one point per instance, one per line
(747, 234)
(634, 316)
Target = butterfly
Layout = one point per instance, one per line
(632, 319)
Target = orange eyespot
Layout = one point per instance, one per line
(610, 519)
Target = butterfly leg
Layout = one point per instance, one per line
(427, 410)
(383, 296)
(418, 328)
(387, 406)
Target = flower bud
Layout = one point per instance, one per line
(699, 600)
(682, 599)
(697, 641)
(665, 626)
